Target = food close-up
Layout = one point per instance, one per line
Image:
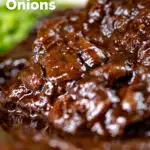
(77, 78)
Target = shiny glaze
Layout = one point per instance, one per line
(90, 71)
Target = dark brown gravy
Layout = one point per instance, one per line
(86, 84)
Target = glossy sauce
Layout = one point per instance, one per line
(89, 72)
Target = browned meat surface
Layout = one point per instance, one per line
(87, 79)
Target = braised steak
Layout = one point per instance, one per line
(88, 74)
